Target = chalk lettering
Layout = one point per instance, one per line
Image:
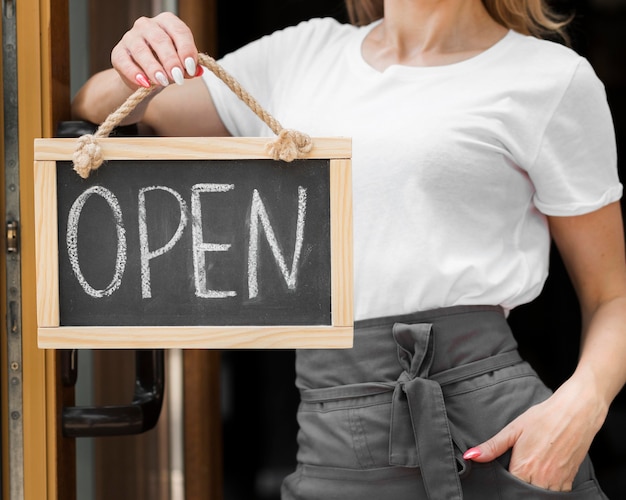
(258, 213)
(200, 247)
(259, 223)
(72, 240)
(146, 254)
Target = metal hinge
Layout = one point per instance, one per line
(12, 236)
(8, 7)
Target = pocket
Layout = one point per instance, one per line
(351, 434)
(510, 487)
(480, 407)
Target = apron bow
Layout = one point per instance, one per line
(418, 415)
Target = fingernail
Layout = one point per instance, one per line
(471, 454)
(190, 66)
(142, 80)
(199, 71)
(177, 75)
(161, 78)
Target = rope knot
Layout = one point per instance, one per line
(87, 156)
(289, 145)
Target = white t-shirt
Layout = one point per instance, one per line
(454, 167)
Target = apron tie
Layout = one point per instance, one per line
(418, 414)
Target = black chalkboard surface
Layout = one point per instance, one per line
(194, 242)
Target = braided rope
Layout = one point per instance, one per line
(288, 145)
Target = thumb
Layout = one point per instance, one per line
(492, 448)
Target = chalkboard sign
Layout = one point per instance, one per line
(183, 242)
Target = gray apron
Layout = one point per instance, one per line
(391, 417)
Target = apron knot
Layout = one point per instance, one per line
(418, 416)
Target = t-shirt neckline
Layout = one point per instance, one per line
(408, 71)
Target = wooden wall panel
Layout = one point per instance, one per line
(201, 17)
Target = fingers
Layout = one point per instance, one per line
(528, 463)
(494, 447)
(158, 50)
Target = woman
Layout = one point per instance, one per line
(474, 142)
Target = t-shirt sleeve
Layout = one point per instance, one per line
(575, 170)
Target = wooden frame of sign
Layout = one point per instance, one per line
(329, 325)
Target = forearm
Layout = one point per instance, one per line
(102, 94)
(603, 350)
(592, 247)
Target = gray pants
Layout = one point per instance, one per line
(390, 418)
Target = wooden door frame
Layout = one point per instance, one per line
(43, 102)
(43, 98)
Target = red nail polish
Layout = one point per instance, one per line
(471, 454)
(199, 70)
(142, 80)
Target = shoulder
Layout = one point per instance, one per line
(542, 50)
(319, 27)
(546, 58)
(292, 49)
(322, 26)
(549, 68)
(310, 35)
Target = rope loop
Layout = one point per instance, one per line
(288, 145)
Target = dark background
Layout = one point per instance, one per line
(259, 396)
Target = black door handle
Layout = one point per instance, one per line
(139, 416)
